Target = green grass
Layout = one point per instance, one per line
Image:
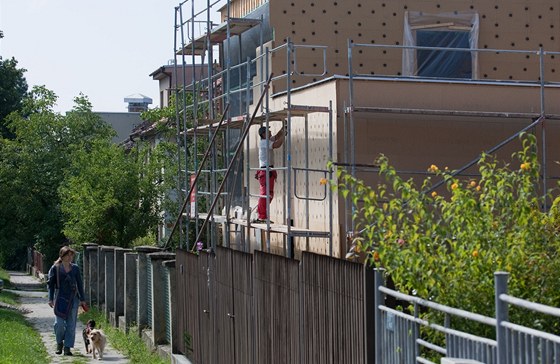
(19, 342)
(9, 298)
(128, 344)
(6, 278)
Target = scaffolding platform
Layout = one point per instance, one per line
(235, 122)
(283, 229)
(217, 218)
(218, 35)
(464, 113)
(295, 111)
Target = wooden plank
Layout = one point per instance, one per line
(283, 229)
(224, 311)
(187, 282)
(206, 312)
(181, 278)
(332, 328)
(235, 122)
(282, 311)
(277, 312)
(217, 218)
(243, 307)
(295, 111)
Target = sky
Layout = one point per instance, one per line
(105, 49)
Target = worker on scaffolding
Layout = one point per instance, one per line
(267, 144)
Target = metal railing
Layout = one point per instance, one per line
(403, 337)
(520, 344)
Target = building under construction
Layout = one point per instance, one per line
(423, 82)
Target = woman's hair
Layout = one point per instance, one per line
(65, 250)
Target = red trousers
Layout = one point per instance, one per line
(261, 207)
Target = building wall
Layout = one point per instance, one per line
(169, 77)
(412, 142)
(317, 155)
(513, 25)
(240, 8)
(122, 122)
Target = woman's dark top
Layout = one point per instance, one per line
(70, 282)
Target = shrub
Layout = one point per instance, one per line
(446, 247)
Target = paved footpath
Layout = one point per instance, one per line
(33, 299)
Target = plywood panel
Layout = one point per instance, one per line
(317, 156)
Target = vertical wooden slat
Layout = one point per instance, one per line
(188, 329)
(223, 302)
(277, 309)
(205, 285)
(181, 301)
(333, 309)
(194, 306)
(283, 311)
(243, 307)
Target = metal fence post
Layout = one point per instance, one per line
(379, 300)
(369, 314)
(501, 286)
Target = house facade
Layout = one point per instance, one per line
(422, 82)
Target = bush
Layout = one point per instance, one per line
(446, 248)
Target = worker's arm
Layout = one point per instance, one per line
(278, 139)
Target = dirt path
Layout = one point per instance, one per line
(40, 315)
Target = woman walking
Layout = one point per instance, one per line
(66, 292)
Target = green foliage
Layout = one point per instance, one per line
(129, 344)
(109, 196)
(9, 298)
(166, 124)
(146, 240)
(32, 167)
(19, 342)
(446, 248)
(13, 88)
(165, 114)
(5, 276)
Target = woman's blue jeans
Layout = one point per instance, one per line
(65, 330)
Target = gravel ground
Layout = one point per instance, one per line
(33, 298)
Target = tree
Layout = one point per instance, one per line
(13, 89)
(109, 196)
(32, 167)
(174, 152)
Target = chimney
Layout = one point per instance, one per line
(137, 102)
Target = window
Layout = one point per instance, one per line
(440, 63)
(456, 30)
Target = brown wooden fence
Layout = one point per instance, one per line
(36, 263)
(235, 307)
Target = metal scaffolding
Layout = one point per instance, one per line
(221, 179)
(197, 106)
(535, 118)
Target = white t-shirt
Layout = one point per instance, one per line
(264, 146)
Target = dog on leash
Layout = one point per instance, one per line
(85, 334)
(98, 341)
